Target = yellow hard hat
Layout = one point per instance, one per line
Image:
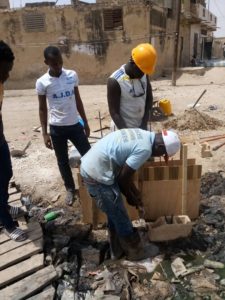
(145, 56)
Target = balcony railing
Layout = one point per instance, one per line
(198, 13)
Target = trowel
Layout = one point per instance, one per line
(20, 153)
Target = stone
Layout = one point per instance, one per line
(68, 295)
(91, 255)
(222, 282)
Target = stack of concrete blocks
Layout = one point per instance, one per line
(161, 188)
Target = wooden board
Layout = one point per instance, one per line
(21, 269)
(29, 285)
(14, 197)
(163, 198)
(12, 190)
(47, 294)
(21, 253)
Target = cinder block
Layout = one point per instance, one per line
(206, 150)
(162, 230)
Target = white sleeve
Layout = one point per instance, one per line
(76, 79)
(40, 88)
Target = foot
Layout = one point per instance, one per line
(16, 234)
(16, 212)
(70, 197)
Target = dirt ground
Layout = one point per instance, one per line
(37, 172)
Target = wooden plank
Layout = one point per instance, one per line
(21, 253)
(12, 190)
(161, 198)
(173, 162)
(47, 294)
(11, 245)
(16, 203)
(193, 198)
(23, 225)
(21, 270)
(30, 285)
(14, 197)
(184, 180)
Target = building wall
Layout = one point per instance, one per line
(79, 31)
(4, 4)
(218, 50)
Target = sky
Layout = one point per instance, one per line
(217, 7)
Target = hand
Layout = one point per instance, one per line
(47, 141)
(134, 200)
(87, 129)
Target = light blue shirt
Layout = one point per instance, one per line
(104, 160)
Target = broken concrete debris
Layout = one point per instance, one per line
(187, 268)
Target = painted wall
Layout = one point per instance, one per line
(79, 32)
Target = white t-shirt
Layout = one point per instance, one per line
(104, 160)
(133, 97)
(61, 98)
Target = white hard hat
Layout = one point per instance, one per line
(171, 141)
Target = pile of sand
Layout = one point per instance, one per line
(192, 120)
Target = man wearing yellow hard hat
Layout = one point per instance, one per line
(129, 91)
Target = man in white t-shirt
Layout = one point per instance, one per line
(60, 87)
(107, 170)
(129, 91)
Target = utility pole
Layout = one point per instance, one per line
(176, 40)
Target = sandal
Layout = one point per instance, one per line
(17, 235)
(16, 212)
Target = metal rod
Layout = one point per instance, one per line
(199, 98)
(100, 122)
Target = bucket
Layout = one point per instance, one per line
(165, 106)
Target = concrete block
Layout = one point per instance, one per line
(206, 150)
(169, 228)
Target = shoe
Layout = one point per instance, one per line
(135, 249)
(116, 251)
(70, 196)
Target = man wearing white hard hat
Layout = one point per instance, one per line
(107, 170)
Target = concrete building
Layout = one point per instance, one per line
(218, 50)
(4, 4)
(95, 38)
(202, 24)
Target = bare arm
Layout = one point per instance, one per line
(127, 187)
(113, 96)
(148, 105)
(43, 114)
(81, 110)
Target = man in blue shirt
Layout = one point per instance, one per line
(107, 170)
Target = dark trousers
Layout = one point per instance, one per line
(60, 135)
(5, 176)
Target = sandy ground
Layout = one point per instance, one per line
(38, 173)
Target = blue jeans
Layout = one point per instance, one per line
(5, 176)
(60, 135)
(109, 199)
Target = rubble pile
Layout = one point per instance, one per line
(188, 268)
(192, 120)
(212, 184)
